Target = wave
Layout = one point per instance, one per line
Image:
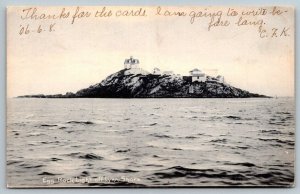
(284, 113)
(279, 123)
(81, 122)
(125, 131)
(84, 174)
(247, 164)
(179, 172)
(123, 170)
(33, 166)
(148, 125)
(219, 140)
(154, 165)
(48, 174)
(91, 157)
(160, 135)
(35, 134)
(228, 177)
(123, 151)
(62, 127)
(50, 142)
(243, 147)
(272, 131)
(116, 184)
(288, 142)
(281, 119)
(190, 137)
(47, 125)
(233, 117)
(55, 159)
(176, 149)
(10, 162)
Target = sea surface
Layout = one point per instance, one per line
(150, 142)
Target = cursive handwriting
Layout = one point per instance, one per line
(33, 19)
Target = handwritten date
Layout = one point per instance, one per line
(27, 29)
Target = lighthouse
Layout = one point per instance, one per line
(131, 63)
(132, 66)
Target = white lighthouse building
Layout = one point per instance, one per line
(131, 66)
(197, 75)
(131, 63)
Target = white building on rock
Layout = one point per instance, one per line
(131, 63)
(156, 71)
(197, 75)
(131, 66)
(168, 73)
(220, 79)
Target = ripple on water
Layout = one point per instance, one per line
(179, 171)
(33, 166)
(123, 170)
(55, 159)
(246, 164)
(219, 140)
(116, 184)
(48, 174)
(287, 142)
(10, 162)
(233, 117)
(84, 174)
(160, 135)
(169, 151)
(48, 125)
(89, 156)
(81, 122)
(123, 150)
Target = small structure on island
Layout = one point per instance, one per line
(156, 71)
(197, 75)
(131, 66)
(168, 73)
(220, 79)
(131, 63)
(210, 78)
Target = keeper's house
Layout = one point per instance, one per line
(197, 75)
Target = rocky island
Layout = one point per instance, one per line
(134, 82)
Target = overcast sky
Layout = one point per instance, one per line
(78, 55)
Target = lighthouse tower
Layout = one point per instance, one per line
(131, 63)
(131, 66)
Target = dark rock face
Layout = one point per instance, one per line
(122, 85)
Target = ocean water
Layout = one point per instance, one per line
(150, 142)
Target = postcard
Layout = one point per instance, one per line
(150, 96)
